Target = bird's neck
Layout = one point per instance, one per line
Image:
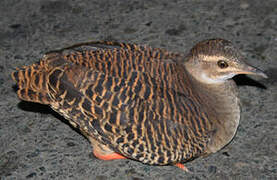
(222, 103)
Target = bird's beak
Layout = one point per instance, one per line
(248, 69)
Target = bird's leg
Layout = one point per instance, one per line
(103, 152)
(182, 166)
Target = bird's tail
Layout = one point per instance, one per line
(32, 81)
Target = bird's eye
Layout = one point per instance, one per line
(222, 64)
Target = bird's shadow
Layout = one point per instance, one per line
(36, 107)
(243, 80)
(39, 108)
(44, 109)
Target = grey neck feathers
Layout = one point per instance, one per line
(222, 103)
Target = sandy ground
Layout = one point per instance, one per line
(35, 143)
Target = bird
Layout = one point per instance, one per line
(137, 102)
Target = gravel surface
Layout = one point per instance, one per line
(36, 143)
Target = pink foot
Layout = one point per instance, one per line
(182, 166)
(111, 156)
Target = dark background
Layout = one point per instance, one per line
(35, 143)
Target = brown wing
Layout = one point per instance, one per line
(133, 98)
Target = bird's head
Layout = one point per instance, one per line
(217, 60)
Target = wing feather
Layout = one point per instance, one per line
(131, 115)
(135, 99)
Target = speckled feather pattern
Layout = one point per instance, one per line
(138, 101)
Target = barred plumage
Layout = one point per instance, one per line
(144, 103)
